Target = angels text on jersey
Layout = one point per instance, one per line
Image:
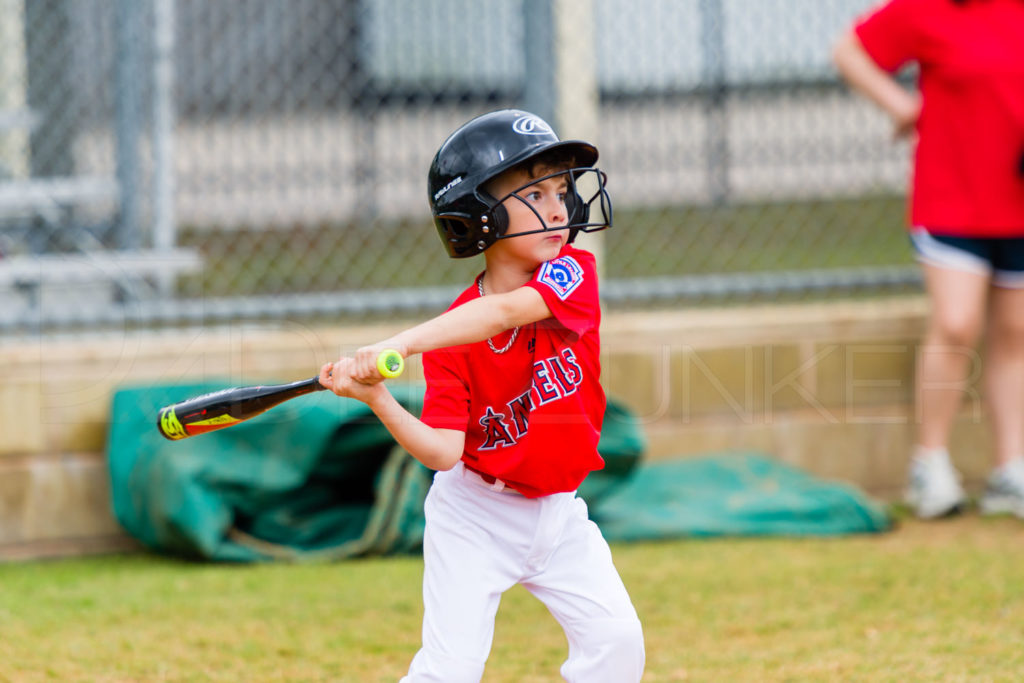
(554, 378)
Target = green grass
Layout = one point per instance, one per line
(936, 601)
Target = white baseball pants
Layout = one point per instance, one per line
(479, 542)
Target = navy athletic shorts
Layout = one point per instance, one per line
(1002, 258)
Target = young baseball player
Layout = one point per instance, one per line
(513, 406)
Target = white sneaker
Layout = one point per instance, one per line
(934, 486)
(1004, 490)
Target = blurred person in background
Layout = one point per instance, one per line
(966, 219)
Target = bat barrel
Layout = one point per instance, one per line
(226, 407)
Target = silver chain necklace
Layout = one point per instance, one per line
(515, 331)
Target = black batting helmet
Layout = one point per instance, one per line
(467, 217)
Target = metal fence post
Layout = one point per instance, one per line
(128, 86)
(716, 144)
(15, 117)
(540, 90)
(164, 236)
(359, 87)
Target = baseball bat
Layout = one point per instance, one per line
(229, 407)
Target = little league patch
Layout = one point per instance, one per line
(563, 275)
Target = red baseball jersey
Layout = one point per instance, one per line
(532, 415)
(967, 177)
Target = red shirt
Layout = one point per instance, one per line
(532, 415)
(967, 179)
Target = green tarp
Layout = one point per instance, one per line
(733, 494)
(318, 477)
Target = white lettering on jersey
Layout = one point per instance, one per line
(553, 378)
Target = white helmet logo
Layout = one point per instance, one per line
(531, 125)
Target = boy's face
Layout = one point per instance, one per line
(529, 205)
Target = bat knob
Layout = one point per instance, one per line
(390, 363)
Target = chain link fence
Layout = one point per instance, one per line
(181, 161)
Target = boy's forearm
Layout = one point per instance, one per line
(474, 321)
(436, 449)
(469, 323)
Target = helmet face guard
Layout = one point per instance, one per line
(587, 204)
(469, 219)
